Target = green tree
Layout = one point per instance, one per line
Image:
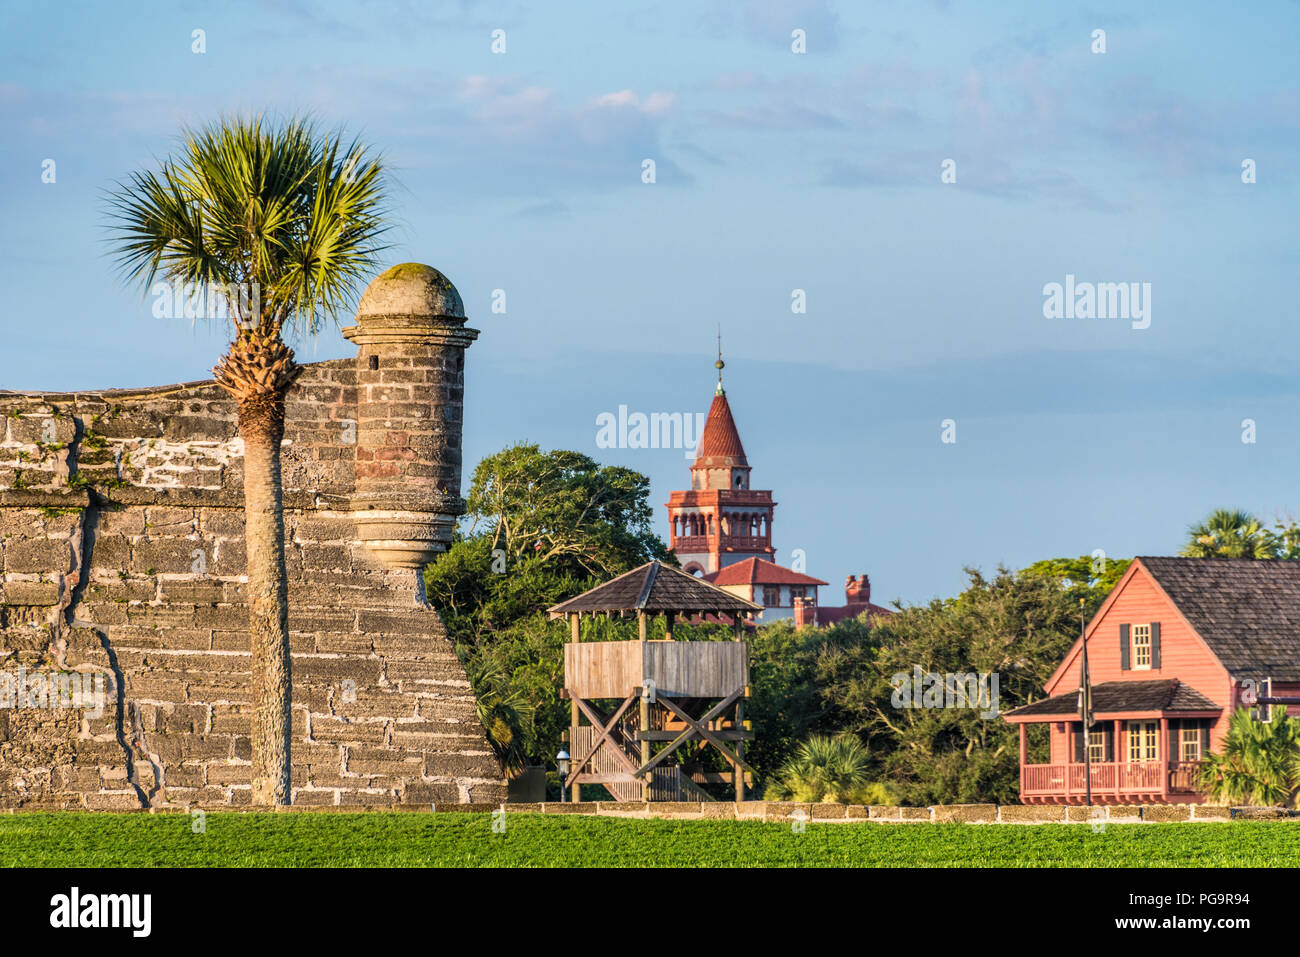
(283, 223)
(564, 507)
(1015, 625)
(1286, 540)
(541, 528)
(1085, 576)
(1229, 533)
(1259, 763)
(790, 671)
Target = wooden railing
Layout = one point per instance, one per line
(1147, 776)
(1184, 775)
(679, 669)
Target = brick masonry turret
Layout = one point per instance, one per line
(411, 339)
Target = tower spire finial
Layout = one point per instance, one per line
(719, 365)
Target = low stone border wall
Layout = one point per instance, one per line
(785, 812)
(964, 813)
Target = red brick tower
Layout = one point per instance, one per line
(720, 520)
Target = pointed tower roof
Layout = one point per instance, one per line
(720, 444)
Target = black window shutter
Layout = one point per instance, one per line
(1175, 730)
(1078, 746)
(1155, 644)
(1205, 738)
(1123, 647)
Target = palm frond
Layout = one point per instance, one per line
(296, 213)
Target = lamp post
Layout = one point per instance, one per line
(562, 765)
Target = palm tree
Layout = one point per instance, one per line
(1229, 533)
(1260, 763)
(282, 223)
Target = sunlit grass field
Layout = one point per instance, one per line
(301, 839)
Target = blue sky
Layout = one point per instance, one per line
(775, 171)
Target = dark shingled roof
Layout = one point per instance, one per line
(1111, 697)
(1247, 611)
(656, 588)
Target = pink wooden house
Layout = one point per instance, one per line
(1170, 654)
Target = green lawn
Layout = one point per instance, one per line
(530, 840)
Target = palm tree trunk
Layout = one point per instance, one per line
(261, 423)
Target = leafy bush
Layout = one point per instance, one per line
(1259, 764)
(829, 770)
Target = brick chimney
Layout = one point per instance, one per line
(857, 590)
(805, 612)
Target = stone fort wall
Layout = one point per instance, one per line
(122, 568)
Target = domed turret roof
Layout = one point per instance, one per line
(411, 289)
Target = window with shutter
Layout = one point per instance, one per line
(1098, 740)
(1141, 658)
(1190, 743)
(1123, 647)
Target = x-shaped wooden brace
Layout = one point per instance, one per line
(606, 728)
(694, 728)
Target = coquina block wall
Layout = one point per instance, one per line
(122, 567)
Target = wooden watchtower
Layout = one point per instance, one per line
(644, 699)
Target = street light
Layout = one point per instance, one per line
(562, 765)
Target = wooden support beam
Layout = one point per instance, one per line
(575, 631)
(705, 733)
(605, 729)
(607, 779)
(713, 777)
(691, 731)
(728, 735)
(739, 782)
(645, 743)
(1163, 751)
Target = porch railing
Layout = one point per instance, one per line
(1110, 777)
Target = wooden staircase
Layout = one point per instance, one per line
(667, 782)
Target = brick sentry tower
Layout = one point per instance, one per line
(720, 520)
(412, 339)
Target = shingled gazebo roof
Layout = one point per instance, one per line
(656, 589)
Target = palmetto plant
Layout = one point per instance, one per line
(507, 716)
(1259, 764)
(823, 770)
(283, 222)
(1229, 533)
